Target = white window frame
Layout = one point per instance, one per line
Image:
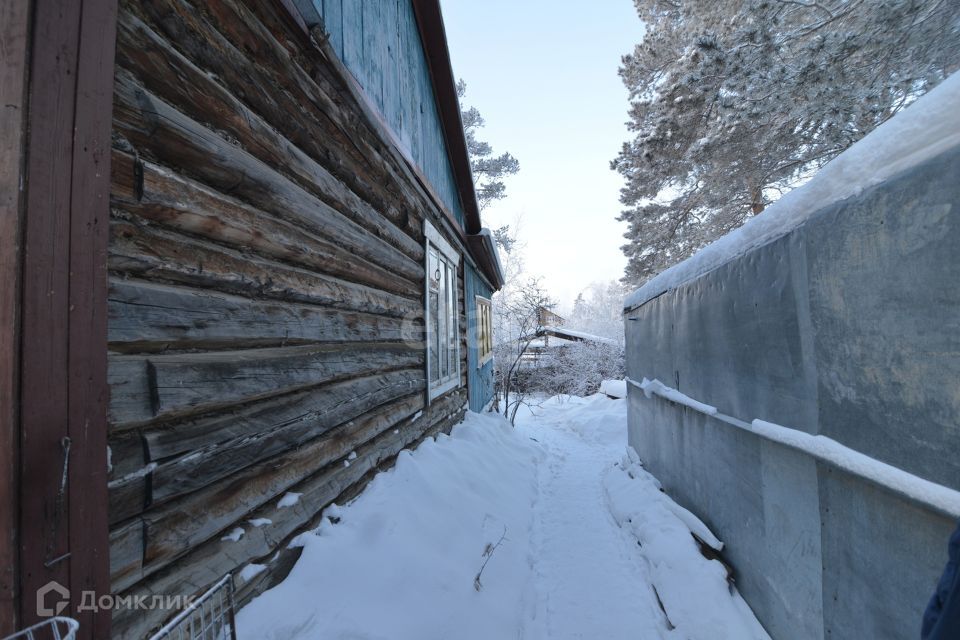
(439, 243)
(484, 358)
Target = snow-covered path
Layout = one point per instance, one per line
(589, 579)
(550, 530)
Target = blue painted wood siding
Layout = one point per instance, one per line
(479, 380)
(379, 43)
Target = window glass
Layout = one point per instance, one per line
(484, 330)
(443, 347)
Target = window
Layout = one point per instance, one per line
(484, 331)
(443, 336)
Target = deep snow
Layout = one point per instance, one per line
(574, 539)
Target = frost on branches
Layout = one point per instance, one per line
(732, 103)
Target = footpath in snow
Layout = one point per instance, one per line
(551, 530)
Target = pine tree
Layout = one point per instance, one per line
(488, 170)
(732, 103)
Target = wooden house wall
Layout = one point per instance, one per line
(380, 45)
(266, 269)
(479, 378)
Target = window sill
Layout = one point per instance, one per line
(442, 387)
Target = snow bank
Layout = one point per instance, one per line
(697, 598)
(923, 130)
(614, 388)
(402, 559)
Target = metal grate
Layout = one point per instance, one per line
(58, 628)
(209, 617)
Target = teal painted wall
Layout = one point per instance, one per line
(479, 380)
(379, 43)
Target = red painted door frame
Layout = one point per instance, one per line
(14, 41)
(56, 399)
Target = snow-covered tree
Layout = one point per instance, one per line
(599, 310)
(734, 102)
(488, 170)
(516, 318)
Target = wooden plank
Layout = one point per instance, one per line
(352, 17)
(63, 390)
(145, 251)
(89, 234)
(174, 529)
(156, 317)
(206, 563)
(183, 384)
(333, 23)
(279, 431)
(14, 42)
(169, 440)
(167, 73)
(45, 321)
(153, 125)
(370, 73)
(392, 98)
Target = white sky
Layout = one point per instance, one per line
(543, 74)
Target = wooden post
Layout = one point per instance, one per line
(14, 40)
(63, 384)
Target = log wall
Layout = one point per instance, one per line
(266, 272)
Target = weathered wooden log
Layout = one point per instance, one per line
(155, 127)
(130, 399)
(278, 429)
(324, 81)
(277, 86)
(167, 73)
(126, 554)
(144, 251)
(182, 384)
(168, 440)
(174, 529)
(128, 496)
(278, 567)
(209, 561)
(157, 194)
(156, 317)
(125, 454)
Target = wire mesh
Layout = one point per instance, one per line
(209, 617)
(58, 628)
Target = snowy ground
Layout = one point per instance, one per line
(573, 537)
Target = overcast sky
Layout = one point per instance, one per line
(543, 74)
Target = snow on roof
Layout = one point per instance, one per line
(923, 130)
(560, 332)
(495, 253)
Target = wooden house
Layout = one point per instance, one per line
(241, 260)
